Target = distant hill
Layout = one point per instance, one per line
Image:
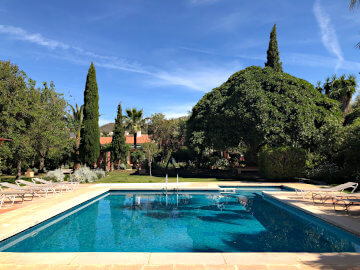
(107, 128)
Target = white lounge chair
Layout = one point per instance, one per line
(61, 185)
(11, 198)
(25, 190)
(45, 188)
(346, 201)
(19, 193)
(327, 191)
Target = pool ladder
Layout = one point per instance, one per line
(166, 183)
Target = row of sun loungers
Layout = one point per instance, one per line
(335, 194)
(38, 187)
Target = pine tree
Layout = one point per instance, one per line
(119, 148)
(90, 132)
(273, 57)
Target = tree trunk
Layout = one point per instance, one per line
(135, 135)
(18, 167)
(150, 168)
(42, 164)
(77, 164)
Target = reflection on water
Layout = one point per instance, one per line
(177, 222)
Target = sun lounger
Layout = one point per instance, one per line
(346, 201)
(19, 193)
(68, 184)
(41, 187)
(11, 198)
(61, 185)
(25, 190)
(326, 191)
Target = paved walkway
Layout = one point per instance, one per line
(34, 212)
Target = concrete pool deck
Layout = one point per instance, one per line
(34, 212)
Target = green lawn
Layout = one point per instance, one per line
(127, 177)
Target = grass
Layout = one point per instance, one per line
(124, 177)
(128, 177)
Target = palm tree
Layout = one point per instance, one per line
(77, 122)
(341, 89)
(346, 88)
(134, 122)
(353, 3)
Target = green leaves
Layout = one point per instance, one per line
(119, 148)
(259, 106)
(273, 57)
(90, 132)
(34, 118)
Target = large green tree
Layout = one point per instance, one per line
(49, 128)
(34, 118)
(119, 148)
(258, 107)
(169, 134)
(16, 115)
(273, 56)
(134, 122)
(90, 132)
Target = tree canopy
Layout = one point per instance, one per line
(259, 106)
(34, 118)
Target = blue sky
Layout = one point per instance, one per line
(163, 55)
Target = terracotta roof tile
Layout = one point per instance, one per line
(129, 139)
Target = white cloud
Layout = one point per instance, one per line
(328, 33)
(313, 60)
(194, 76)
(177, 111)
(38, 39)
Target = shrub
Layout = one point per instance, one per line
(329, 172)
(100, 173)
(122, 166)
(282, 162)
(350, 151)
(84, 174)
(221, 163)
(137, 157)
(55, 175)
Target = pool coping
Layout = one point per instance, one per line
(342, 222)
(149, 258)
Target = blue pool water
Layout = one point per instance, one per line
(183, 222)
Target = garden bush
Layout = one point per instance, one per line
(84, 175)
(100, 173)
(122, 166)
(328, 172)
(55, 175)
(282, 162)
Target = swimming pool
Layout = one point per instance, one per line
(182, 222)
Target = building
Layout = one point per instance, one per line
(104, 160)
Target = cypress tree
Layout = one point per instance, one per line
(273, 57)
(90, 132)
(119, 148)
